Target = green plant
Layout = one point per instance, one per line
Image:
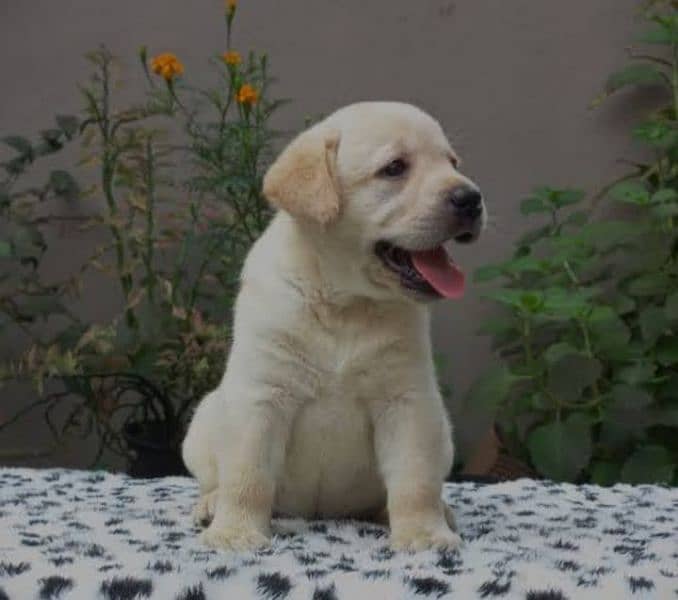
(587, 384)
(175, 205)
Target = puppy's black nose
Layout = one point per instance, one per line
(467, 201)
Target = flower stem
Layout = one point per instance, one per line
(110, 155)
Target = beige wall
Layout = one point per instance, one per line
(509, 79)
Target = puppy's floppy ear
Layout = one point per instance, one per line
(302, 180)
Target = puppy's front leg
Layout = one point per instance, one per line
(414, 449)
(249, 453)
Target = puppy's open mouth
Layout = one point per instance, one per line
(430, 272)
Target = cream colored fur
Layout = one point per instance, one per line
(329, 404)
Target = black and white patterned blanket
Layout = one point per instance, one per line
(75, 534)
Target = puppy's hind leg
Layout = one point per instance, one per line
(200, 461)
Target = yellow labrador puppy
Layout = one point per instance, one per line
(329, 406)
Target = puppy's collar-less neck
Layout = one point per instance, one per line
(313, 261)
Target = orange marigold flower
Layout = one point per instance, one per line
(231, 5)
(232, 58)
(247, 95)
(167, 65)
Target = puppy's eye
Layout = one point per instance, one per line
(394, 169)
(455, 161)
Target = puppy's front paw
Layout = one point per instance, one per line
(415, 540)
(241, 538)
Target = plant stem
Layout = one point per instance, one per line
(586, 335)
(109, 161)
(214, 247)
(527, 342)
(24, 411)
(150, 212)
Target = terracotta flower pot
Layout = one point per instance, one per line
(492, 462)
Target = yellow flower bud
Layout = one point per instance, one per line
(232, 58)
(247, 95)
(167, 65)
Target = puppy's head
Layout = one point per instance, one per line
(378, 184)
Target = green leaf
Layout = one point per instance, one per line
(666, 417)
(565, 303)
(144, 360)
(665, 211)
(539, 401)
(533, 205)
(623, 304)
(648, 464)
(601, 314)
(667, 351)
(626, 398)
(532, 301)
(52, 137)
(664, 195)
(653, 323)
(605, 473)
(28, 242)
(561, 449)
(660, 35)
(16, 166)
(5, 249)
(547, 199)
(63, 184)
(20, 144)
(627, 415)
(572, 374)
(610, 336)
(577, 219)
(635, 74)
(509, 297)
(68, 124)
(523, 264)
(488, 391)
(637, 373)
(616, 437)
(650, 284)
(671, 306)
(562, 198)
(656, 133)
(557, 351)
(607, 234)
(668, 390)
(487, 273)
(630, 192)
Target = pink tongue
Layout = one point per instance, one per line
(443, 275)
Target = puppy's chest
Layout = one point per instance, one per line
(348, 357)
(344, 356)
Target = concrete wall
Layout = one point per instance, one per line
(509, 80)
